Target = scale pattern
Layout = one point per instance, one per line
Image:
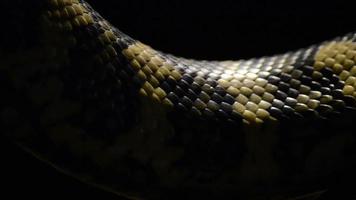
(318, 80)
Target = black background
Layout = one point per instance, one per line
(197, 29)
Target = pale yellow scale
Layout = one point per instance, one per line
(341, 58)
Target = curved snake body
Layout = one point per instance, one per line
(256, 90)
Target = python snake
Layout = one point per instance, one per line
(114, 111)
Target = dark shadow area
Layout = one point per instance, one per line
(195, 29)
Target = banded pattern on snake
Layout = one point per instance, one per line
(317, 80)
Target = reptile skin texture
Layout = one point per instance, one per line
(114, 112)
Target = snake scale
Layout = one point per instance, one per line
(115, 112)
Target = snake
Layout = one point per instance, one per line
(117, 113)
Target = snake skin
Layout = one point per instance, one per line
(148, 124)
(316, 80)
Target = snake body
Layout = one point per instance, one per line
(132, 117)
